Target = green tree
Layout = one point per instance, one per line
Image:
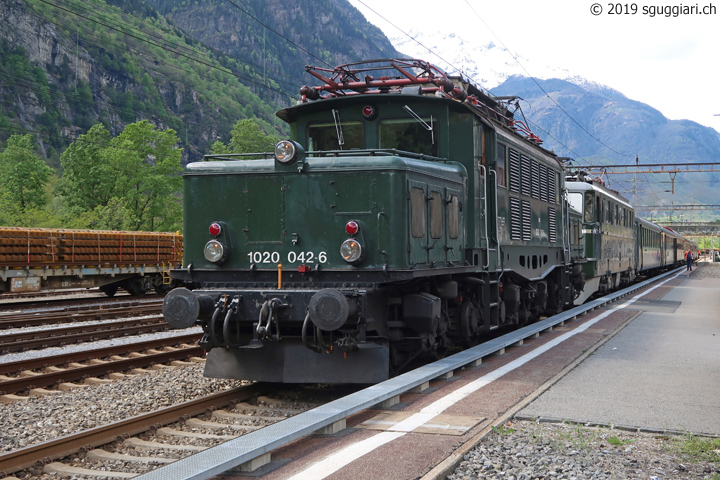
(88, 178)
(247, 137)
(23, 175)
(146, 162)
(130, 182)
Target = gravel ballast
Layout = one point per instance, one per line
(526, 450)
(49, 417)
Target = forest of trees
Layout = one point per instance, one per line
(128, 182)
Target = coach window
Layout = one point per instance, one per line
(343, 136)
(576, 201)
(500, 165)
(416, 136)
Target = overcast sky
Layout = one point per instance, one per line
(669, 62)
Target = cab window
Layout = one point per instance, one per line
(327, 136)
(408, 135)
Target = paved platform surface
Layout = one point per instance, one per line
(660, 373)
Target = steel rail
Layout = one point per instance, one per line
(60, 447)
(230, 454)
(55, 360)
(47, 379)
(30, 319)
(25, 341)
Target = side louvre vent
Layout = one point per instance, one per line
(544, 183)
(551, 185)
(535, 179)
(526, 221)
(514, 171)
(515, 219)
(526, 175)
(553, 224)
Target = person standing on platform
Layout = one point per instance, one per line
(689, 259)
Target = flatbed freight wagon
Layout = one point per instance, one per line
(35, 259)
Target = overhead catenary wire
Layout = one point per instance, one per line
(278, 33)
(565, 112)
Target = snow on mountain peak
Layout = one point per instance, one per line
(484, 63)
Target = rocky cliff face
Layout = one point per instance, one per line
(63, 73)
(280, 37)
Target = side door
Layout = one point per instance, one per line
(437, 232)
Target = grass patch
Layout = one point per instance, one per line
(698, 449)
(503, 430)
(617, 442)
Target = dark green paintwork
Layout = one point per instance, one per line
(266, 205)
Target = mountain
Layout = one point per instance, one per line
(582, 119)
(616, 129)
(483, 62)
(199, 66)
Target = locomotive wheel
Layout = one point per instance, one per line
(469, 321)
(556, 301)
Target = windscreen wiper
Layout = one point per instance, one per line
(422, 122)
(338, 128)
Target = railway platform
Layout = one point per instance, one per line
(661, 373)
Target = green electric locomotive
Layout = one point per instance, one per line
(409, 212)
(608, 234)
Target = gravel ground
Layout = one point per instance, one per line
(526, 450)
(531, 451)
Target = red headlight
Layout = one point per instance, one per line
(352, 227)
(215, 229)
(369, 112)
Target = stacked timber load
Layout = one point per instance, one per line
(47, 247)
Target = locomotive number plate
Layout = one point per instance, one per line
(291, 257)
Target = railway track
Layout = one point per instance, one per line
(154, 442)
(60, 370)
(29, 317)
(21, 341)
(138, 444)
(8, 297)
